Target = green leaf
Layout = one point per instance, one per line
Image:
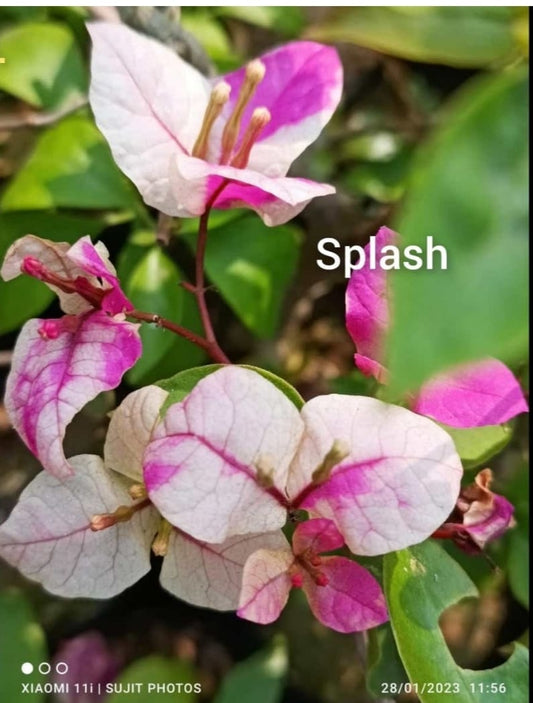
(476, 445)
(153, 286)
(384, 663)
(420, 583)
(181, 384)
(260, 678)
(43, 65)
(455, 36)
(469, 192)
(154, 670)
(25, 297)
(71, 166)
(252, 265)
(21, 641)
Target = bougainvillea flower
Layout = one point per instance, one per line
(472, 395)
(341, 594)
(179, 136)
(90, 535)
(236, 456)
(60, 365)
(480, 516)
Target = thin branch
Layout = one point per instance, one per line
(212, 348)
(40, 119)
(199, 285)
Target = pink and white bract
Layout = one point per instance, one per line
(472, 395)
(236, 457)
(480, 516)
(60, 365)
(179, 136)
(90, 535)
(341, 594)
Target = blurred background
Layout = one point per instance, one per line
(430, 138)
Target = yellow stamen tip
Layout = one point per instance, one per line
(255, 71)
(260, 117)
(221, 93)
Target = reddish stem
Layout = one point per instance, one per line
(199, 286)
(212, 349)
(209, 343)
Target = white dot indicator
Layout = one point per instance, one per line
(26, 668)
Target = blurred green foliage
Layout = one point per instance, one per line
(455, 36)
(21, 641)
(259, 679)
(469, 191)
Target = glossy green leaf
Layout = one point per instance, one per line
(153, 286)
(151, 671)
(476, 445)
(43, 64)
(420, 583)
(469, 192)
(182, 383)
(22, 641)
(252, 265)
(384, 663)
(25, 297)
(72, 167)
(260, 678)
(456, 36)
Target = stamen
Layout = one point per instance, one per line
(138, 491)
(219, 97)
(315, 560)
(81, 285)
(160, 543)
(297, 580)
(255, 72)
(321, 579)
(33, 267)
(49, 329)
(122, 514)
(265, 471)
(101, 522)
(260, 118)
(339, 451)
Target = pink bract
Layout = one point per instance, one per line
(236, 455)
(341, 594)
(472, 395)
(150, 105)
(51, 538)
(60, 365)
(480, 515)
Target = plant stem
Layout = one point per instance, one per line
(199, 285)
(212, 349)
(209, 342)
